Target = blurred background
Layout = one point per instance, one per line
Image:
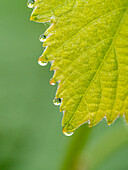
(30, 125)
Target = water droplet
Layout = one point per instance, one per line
(52, 82)
(30, 3)
(68, 133)
(42, 63)
(42, 38)
(57, 101)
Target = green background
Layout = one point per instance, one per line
(30, 125)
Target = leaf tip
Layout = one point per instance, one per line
(67, 133)
(52, 81)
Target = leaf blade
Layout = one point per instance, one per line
(84, 48)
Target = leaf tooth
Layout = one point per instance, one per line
(43, 58)
(111, 121)
(67, 133)
(94, 120)
(112, 117)
(54, 65)
(53, 81)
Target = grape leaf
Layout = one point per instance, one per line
(87, 44)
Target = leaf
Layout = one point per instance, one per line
(87, 43)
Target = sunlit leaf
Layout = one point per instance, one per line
(87, 43)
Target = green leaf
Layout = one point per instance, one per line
(88, 44)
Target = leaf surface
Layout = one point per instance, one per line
(88, 44)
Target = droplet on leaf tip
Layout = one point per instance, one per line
(42, 63)
(30, 3)
(68, 133)
(42, 38)
(109, 123)
(57, 101)
(52, 82)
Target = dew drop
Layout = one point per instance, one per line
(30, 3)
(57, 101)
(42, 38)
(42, 63)
(68, 133)
(52, 82)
